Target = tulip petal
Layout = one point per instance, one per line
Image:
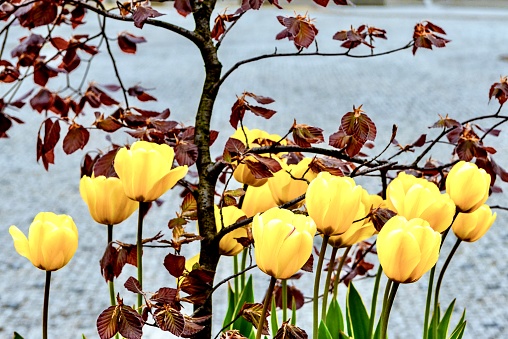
(20, 242)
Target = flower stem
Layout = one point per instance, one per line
(268, 301)
(143, 208)
(331, 265)
(242, 267)
(388, 299)
(111, 283)
(46, 306)
(236, 280)
(339, 269)
(374, 302)
(284, 300)
(315, 310)
(440, 279)
(427, 303)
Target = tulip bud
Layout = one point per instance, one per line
(413, 197)
(472, 226)
(145, 170)
(407, 249)
(257, 200)
(106, 199)
(283, 241)
(333, 203)
(468, 186)
(51, 243)
(285, 186)
(225, 217)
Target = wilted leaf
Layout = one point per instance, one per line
(252, 313)
(288, 331)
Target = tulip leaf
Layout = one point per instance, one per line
(334, 319)
(458, 332)
(231, 307)
(442, 329)
(273, 319)
(358, 318)
(18, 336)
(323, 332)
(246, 296)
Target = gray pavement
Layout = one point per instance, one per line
(402, 89)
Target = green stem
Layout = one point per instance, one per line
(111, 283)
(427, 304)
(284, 300)
(315, 310)
(374, 302)
(339, 269)
(440, 279)
(143, 207)
(389, 297)
(236, 280)
(242, 267)
(331, 265)
(268, 301)
(46, 306)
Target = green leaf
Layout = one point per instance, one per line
(334, 319)
(273, 318)
(442, 330)
(247, 296)
(358, 316)
(231, 307)
(377, 333)
(323, 332)
(18, 336)
(459, 331)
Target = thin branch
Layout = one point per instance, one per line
(153, 22)
(295, 54)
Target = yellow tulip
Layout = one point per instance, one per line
(283, 241)
(282, 185)
(106, 199)
(468, 186)
(243, 174)
(145, 170)
(51, 243)
(257, 200)
(472, 226)
(228, 245)
(407, 249)
(333, 203)
(361, 230)
(413, 197)
(250, 136)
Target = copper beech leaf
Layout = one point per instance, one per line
(252, 313)
(305, 135)
(169, 319)
(183, 7)
(298, 29)
(133, 285)
(120, 319)
(128, 42)
(499, 90)
(175, 264)
(165, 295)
(104, 165)
(426, 35)
(288, 331)
(232, 334)
(112, 262)
(143, 13)
(76, 138)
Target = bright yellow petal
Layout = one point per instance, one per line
(20, 242)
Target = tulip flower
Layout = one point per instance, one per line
(106, 200)
(282, 185)
(256, 136)
(51, 243)
(225, 217)
(257, 200)
(407, 248)
(145, 170)
(333, 203)
(283, 241)
(413, 197)
(468, 186)
(472, 226)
